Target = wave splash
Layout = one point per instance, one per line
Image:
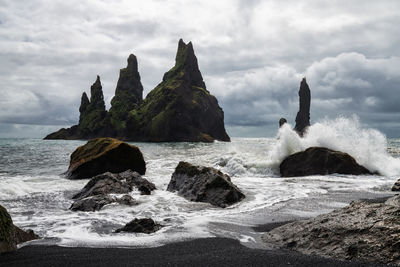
(367, 146)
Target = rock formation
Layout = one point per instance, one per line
(303, 116)
(202, 184)
(396, 186)
(11, 235)
(180, 108)
(145, 225)
(95, 203)
(363, 231)
(96, 193)
(320, 161)
(282, 121)
(128, 95)
(102, 155)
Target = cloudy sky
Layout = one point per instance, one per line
(252, 55)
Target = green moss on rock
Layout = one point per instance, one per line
(7, 232)
(105, 154)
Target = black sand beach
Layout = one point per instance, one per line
(200, 252)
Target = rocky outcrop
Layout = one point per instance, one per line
(97, 202)
(128, 95)
(145, 225)
(93, 119)
(396, 186)
(282, 121)
(115, 183)
(11, 235)
(320, 161)
(179, 109)
(362, 231)
(303, 116)
(102, 155)
(95, 194)
(203, 184)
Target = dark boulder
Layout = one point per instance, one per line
(134, 179)
(115, 183)
(282, 121)
(145, 225)
(97, 202)
(11, 235)
(320, 161)
(303, 116)
(396, 186)
(361, 231)
(203, 184)
(102, 155)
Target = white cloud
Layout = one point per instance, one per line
(251, 53)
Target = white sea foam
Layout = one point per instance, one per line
(367, 146)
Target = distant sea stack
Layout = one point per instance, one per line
(179, 109)
(303, 116)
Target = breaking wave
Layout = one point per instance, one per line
(367, 146)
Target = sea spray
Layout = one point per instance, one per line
(367, 146)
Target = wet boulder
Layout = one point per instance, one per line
(396, 186)
(145, 225)
(115, 183)
(204, 184)
(320, 161)
(11, 235)
(364, 230)
(102, 155)
(95, 203)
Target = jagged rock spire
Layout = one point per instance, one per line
(186, 66)
(303, 116)
(129, 80)
(84, 102)
(129, 91)
(96, 95)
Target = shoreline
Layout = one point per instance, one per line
(213, 251)
(199, 252)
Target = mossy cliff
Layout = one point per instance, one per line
(180, 108)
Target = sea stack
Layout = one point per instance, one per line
(303, 116)
(128, 94)
(179, 109)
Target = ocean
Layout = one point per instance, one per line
(38, 196)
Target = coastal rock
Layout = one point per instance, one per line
(303, 116)
(282, 121)
(134, 179)
(115, 183)
(97, 202)
(203, 184)
(320, 161)
(362, 231)
(102, 155)
(145, 225)
(179, 109)
(11, 235)
(93, 119)
(128, 95)
(396, 186)
(7, 232)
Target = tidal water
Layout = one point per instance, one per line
(38, 196)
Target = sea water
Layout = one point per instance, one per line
(38, 196)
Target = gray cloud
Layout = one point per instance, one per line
(252, 54)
